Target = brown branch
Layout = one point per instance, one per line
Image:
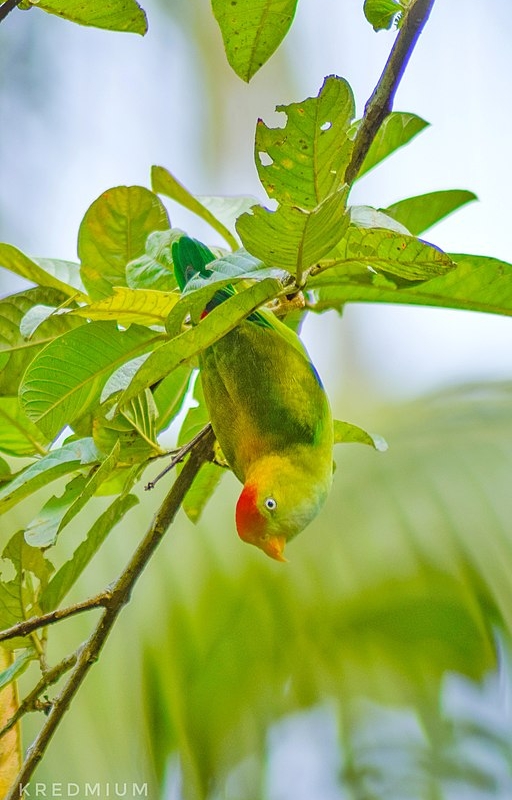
(180, 455)
(7, 7)
(33, 623)
(121, 590)
(380, 103)
(31, 701)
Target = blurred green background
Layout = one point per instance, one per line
(375, 664)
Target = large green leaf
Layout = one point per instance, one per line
(14, 260)
(66, 378)
(478, 283)
(216, 324)
(421, 212)
(291, 238)
(369, 251)
(163, 182)
(398, 129)
(67, 575)
(113, 232)
(72, 457)
(252, 31)
(304, 162)
(16, 350)
(113, 15)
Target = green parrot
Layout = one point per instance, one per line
(270, 414)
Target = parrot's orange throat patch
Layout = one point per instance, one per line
(248, 517)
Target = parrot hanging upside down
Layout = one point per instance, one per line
(270, 414)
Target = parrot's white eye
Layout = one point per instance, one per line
(270, 504)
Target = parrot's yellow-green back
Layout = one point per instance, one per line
(270, 414)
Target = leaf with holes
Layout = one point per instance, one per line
(294, 239)
(304, 162)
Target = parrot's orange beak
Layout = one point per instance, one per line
(274, 547)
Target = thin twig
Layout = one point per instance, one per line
(33, 623)
(7, 7)
(31, 701)
(121, 590)
(179, 456)
(380, 103)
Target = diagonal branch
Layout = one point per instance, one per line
(121, 590)
(380, 103)
(33, 623)
(7, 7)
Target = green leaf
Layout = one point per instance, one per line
(368, 217)
(374, 250)
(252, 32)
(421, 212)
(57, 512)
(126, 306)
(478, 283)
(380, 13)
(67, 575)
(154, 269)
(396, 131)
(209, 476)
(163, 182)
(66, 271)
(291, 238)
(27, 558)
(345, 432)
(5, 472)
(68, 458)
(113, 232)
(67, 377)
(169, 396)
(17, 667)
(18, 435)
(113, 15)
(133, 427)
(16, 351)
(216, 324)
(227, 209)
(14, 260)
(304, 162)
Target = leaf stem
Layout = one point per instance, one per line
(120, 592)
(380, 103)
